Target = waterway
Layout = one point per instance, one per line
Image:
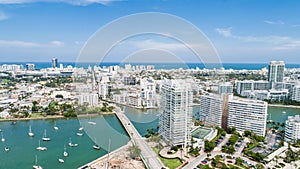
(23, 148)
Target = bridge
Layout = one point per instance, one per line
(149, 157)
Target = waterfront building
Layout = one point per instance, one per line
(292, 129)
(228, 111)
(90, 99)
(176, 120)
(296, 93)
(30, 66)
(275, 72)
(54, 63)
(225, 87)
(147, 94)
(211, 110)
(251, 85)
(11, 67)
(246, 114)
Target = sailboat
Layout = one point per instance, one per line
(65, 152)
(95, 146)
(46, 138)
(36, 166)
(55, 127)
(2, 139)
(91, 122)
(30, 133)
(40, 147)
(61, 160)
(6, 149)
(79, 134)
(71, 144)
(270, 119)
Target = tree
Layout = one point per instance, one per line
(259, 166)
(134, 151)
(209, 146)
(59, 96)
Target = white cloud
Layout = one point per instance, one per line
(16, 43)
(72, 2)
(57, 43)
(278, 22)
(3, 16)
(224, 31)
(277, 42)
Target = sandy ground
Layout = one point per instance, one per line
(118, 159)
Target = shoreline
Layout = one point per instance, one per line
(283, 106)
(104, 157)
(55, 117)
(117, 158)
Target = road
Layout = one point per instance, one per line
(152, 160)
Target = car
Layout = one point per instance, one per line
(203, 162)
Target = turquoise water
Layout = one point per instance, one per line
(23, 148)
(146, 119)
(277, 114)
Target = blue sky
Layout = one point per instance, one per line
(242, 31)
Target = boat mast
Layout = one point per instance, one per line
(107, 160)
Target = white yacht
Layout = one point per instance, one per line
(40, 147)
(2, 139)
(65, 152)
(46, 138)
(61, 160)
(79, 134)
(71, 144)
(55, 127)
(36, 166)
(30, 133)
(96, 147)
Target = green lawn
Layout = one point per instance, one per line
(170, 163)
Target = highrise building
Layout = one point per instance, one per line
(225, 87)
(296, 93)
(276, 72)
(176, 119)
(30, 66)
(227, 111)
(292, 129)
(54, 63)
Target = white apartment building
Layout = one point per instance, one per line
(88, 98)
(251, 85)
(276, 71)
(292, 129)
(176, 119)
(227, 111)
(225, 87)
(296, 93)
(148, 95)
(211, 110)
(246, 114)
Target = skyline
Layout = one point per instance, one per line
(43, 29)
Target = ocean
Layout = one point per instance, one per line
(235, 66)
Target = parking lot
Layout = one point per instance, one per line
(271, 143)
